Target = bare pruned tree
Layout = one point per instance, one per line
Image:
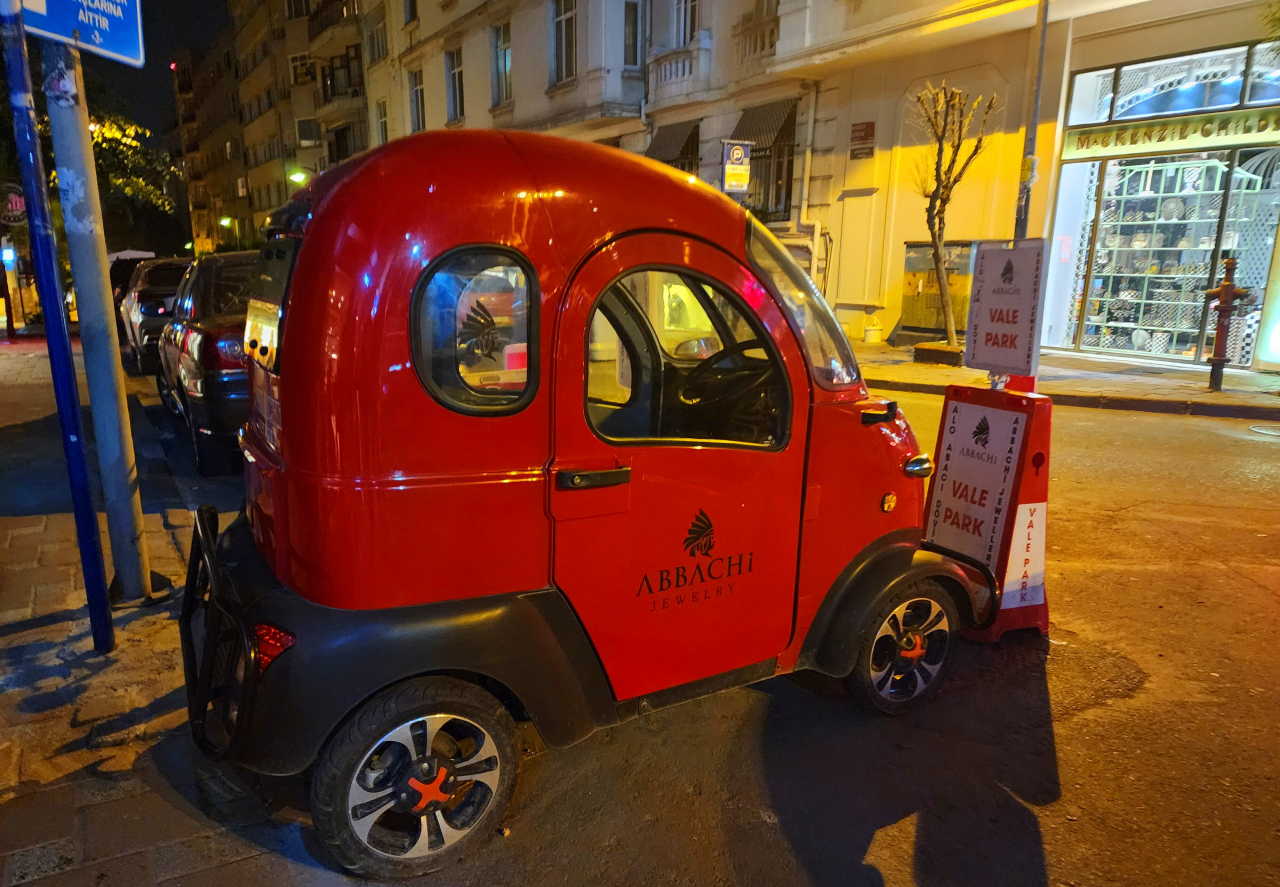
(947, 115)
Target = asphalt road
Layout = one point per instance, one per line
(1138, 745)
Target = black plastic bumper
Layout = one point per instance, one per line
(223, 407)
(528, 648)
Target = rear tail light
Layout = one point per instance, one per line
(272, 642)
(151, 309)
(232, 348)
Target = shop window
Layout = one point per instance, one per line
(677, 144)
(673, 357)
(1264, 79)
(1091, 94)
(772, 129)
(1181, 85)
(472, 330)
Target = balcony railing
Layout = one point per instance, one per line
(678, 73)
(755, 42)
(331, 13)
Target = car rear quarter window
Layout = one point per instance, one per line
(164, 276)
(473, 326)
(230, 287)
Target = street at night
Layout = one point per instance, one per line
(628, 443)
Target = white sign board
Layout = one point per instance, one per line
(1004, 309)
(977, 467)
(1024, 575)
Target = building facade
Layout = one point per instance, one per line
(209, 130)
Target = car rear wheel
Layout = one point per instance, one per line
(905, 647)
(417, 778)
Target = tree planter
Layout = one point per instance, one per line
(940, 352)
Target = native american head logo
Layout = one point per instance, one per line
(1007, 274)
(701, 537)
(982, 433)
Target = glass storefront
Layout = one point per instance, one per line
(1141, 228)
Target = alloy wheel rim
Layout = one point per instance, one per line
(909, 649)
(423, 786)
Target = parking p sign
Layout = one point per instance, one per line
(109, 28)
(737, 167)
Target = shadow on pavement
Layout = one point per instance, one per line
(966, 767)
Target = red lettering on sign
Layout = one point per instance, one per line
(1001, 340)
(1002, 315)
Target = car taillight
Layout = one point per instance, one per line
(151, 309)
(232, 348)
(272, 642)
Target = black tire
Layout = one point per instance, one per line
(167, 399)
(890, 674)
(362, 744)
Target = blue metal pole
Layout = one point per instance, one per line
(44, 253)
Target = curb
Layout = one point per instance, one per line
(1108, 402)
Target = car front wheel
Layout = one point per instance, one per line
(905, 646)
(417, 778)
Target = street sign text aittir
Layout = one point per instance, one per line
(109, 28)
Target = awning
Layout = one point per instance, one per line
(765, 124)
(669, 141)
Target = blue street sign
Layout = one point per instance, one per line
(109, 28)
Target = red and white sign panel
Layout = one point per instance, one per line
(1004, 309)
(977, 463)
(989, 496)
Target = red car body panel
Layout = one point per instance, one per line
(379, 496)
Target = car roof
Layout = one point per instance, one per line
(589, 193)
(239, 257)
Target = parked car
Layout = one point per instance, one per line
(120, 273)
(202, 376)
(540, 431)
(146, 307)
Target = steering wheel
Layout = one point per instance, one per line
(689, 393)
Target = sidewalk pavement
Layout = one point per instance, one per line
(1080, 380)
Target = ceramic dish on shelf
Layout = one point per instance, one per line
(1184, 242)
(1172, 209)
(1139, 240)
(1112, 240)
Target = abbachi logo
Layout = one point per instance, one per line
(981, 434)
(701, 537)
(1006, 275)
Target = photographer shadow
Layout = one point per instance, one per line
(968, 767)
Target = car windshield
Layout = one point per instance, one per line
(231, 287)
(824, 341)
(164, 276)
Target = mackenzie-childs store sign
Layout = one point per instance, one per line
(1194, 132)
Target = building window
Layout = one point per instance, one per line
(303, 70)
(417, 102)
(453, 84)
(410, 11)
(502, 63)
(631, 33)
(564, 39)
(228, 150)
(380, 120)
(308, 132)
(242, 189)
(686, 21)
(376, 43)
(344, 76)
(473, 331)
(299, 8)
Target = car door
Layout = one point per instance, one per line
(174, 336)
(681, 411)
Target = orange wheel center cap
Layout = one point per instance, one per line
(430, 791)
(911, 647)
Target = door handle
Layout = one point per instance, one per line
(890, 412)
(585, 480)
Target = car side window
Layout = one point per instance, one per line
(182, 300)
(474, 316)
(672, 356)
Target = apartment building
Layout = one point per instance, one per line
(336, 51)
(208, 109)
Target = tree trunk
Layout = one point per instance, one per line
(940, 268)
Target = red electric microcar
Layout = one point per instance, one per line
(540, 431)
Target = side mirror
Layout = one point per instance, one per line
(697, 349)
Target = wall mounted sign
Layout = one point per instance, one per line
(737, 166)
(1194, 132)
(13, 211)
(862, 140)
(1004, 308)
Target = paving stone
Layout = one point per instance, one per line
(37, 818)
(19, 553)
(59, 556)
(123, 871)
(102, 702)
(57, 598)
(10, 764)
(21, 524)
(205, 851)
(34, 577)
(132, 823)
(266, 869)
(179, 517)
(45, 859)
(97, 790)
(59, 526)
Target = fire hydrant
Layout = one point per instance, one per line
(1226, 294)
